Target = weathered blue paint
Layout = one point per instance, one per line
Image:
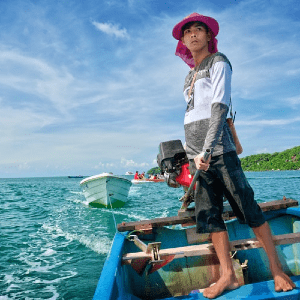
(118, 282)
(107, 286)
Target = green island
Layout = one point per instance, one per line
(153, 171)
(286, 160)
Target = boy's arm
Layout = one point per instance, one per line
(221, 89)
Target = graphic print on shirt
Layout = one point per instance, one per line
(200, 74)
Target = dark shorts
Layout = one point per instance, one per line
(224, 177)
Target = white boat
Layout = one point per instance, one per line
(128, 173)
(106, 190)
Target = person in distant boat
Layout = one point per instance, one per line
(207, 92)
(136, 175)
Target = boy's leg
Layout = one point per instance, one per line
(208, 212)
(281, 280)
(241, 197)
(228, 279)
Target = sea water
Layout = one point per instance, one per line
(53, 245)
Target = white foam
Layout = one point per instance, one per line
(48, 252)
(75, 200)
(8, 278)
(52, 290)
(164, 214)
(57, 280)
(121, 213)
(86, 203)
(34, 265)
(76, 193)
(12, 287)
(100, 245)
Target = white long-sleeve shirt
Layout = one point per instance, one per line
(205, 118)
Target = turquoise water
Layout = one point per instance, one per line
(53, 246)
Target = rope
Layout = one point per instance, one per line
(131, 232)
(113, 212)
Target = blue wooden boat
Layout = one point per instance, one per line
(165, 258)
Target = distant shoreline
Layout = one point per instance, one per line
(279, 161)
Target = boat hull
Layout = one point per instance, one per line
(119, 281)
(106, 191)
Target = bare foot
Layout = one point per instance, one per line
(283, 282)
(224, 283)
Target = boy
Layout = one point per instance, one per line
(207, 92)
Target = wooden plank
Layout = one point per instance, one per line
(158, 222)
(196, 238)
(188, 216)
(208, 249)
(278, 204)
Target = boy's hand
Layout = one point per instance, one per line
(200, 163)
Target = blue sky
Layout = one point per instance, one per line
(94, 86)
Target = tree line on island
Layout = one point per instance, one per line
(286, 160)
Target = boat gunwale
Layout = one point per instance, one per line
(249, 291)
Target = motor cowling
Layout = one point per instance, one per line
(173, 163)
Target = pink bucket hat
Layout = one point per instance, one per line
(182, 51)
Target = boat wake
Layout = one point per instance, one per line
(125, 213)
(76, 200)
(76, 193)
(99, 245)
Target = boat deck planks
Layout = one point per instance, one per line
(208, 249)
(187, 217)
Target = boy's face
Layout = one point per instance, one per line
(195, 37)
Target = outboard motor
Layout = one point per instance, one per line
(173, 163)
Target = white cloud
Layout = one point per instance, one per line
(68, 101)
(127, 163)
(37, 78)
(112, 29)
(271, 122)
(294, 101)
(99, 166)
(293, 72)
(262, 55)
(24, 165)
(263, 150)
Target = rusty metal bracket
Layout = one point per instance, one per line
(151, 248)
(153, 261)
(146, 228)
